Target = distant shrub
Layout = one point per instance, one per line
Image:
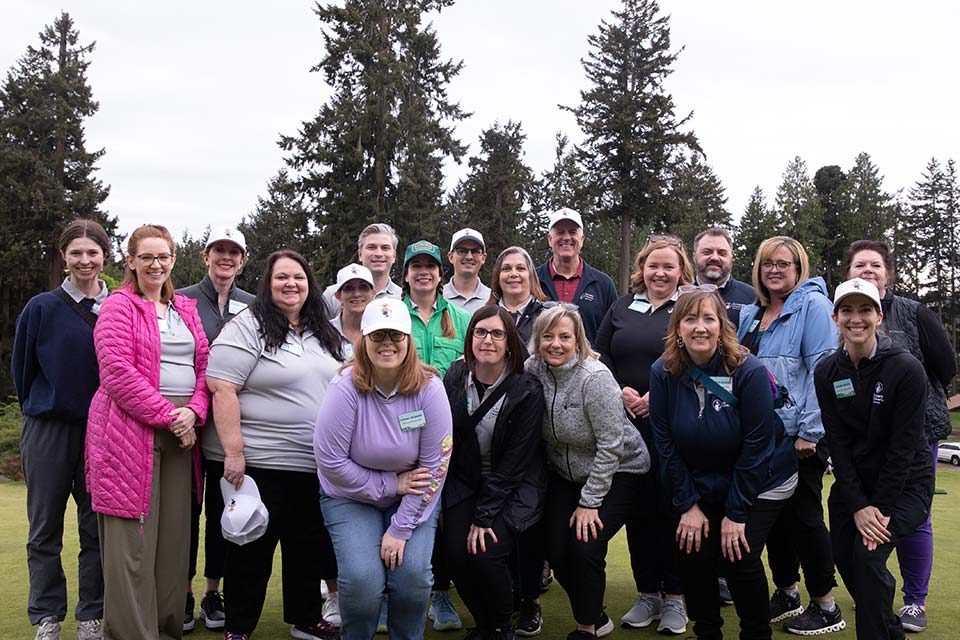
(10, 423)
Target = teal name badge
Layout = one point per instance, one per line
(640, 306)
(725, 382)
(753, 326)
(844, 388)
(412, 420)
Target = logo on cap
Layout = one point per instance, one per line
(385, 310)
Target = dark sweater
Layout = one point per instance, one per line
(876, 435)
(208, 305)
(54, 364)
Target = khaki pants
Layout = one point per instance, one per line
(145, 567)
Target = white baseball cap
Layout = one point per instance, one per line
(353, 271)
(228, 234)
(385, 313)
(856, 287)
(467, 234)
(245, 517)
(565, 214)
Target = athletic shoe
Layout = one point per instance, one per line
(504, 634)
(211, 611)
(236, 636)
(546, 578)
(815, 621)
(577, 634)
(322, 630)
(643, 612)
(89, 630)
(324, 591)
(188, 622)
(913, 617)
(530, 620)
(331, 608)
(783, 606)
(443, 613)
(725, 597)
(673, 617)
(48, 629)
(604, 625)
(382, 620)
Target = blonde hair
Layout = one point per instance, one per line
(676, 360)
(139, 235)
(414, 374)
(637, 285)
(549, 318)
(764, 252)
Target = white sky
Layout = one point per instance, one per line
(193, 95)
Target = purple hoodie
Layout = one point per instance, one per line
(362, 441)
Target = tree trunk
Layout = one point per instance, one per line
(626, 232)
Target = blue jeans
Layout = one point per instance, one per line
(356, 530)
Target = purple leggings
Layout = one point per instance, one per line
(915, 555)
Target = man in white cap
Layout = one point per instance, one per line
(377, 251)
(467, 255)
(566, 277)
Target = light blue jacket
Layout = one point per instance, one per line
(792, 346)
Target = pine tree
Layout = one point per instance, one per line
(696, 199)
(190, 268)
(756, 225)
(871, 213)
(928, 225)
(628, 121)
(831, 185)
(799, 213)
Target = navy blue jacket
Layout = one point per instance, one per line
(717, 454)
(594, 295)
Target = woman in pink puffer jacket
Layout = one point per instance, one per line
(140, 440)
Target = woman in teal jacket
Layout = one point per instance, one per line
(790, 330)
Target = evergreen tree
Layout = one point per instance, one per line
(628, 121)
(375, 150)
(871, 212)
(831, 185)
(908, 263)
(696, 199)
(190, 268)
(756, 225)
(800, 215)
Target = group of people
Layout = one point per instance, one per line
(400, 440)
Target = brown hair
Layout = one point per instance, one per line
(85, 229)
(446, 324)
(879, 246)
(550, 317)
(676, 360)
(637, 285)
(535, 290)
(713, 231)
(769, 247)
(414, 374)
(140, 234)
(515, 353)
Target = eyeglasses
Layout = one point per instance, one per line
(781, 265)
(147, 259)
(495, 334)
(659, 237)
(462, 251)
(567, 306)
(383, 334)
(690, 288)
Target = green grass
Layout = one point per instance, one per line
(943, 606)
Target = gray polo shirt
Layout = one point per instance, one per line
(476, 300)
(392, 290)
(280, 395)
(178, 377)
(346, 346)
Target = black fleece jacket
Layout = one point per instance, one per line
(876, 434)
(516, 485)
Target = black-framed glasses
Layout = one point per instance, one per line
(663, 237)
(781, 265)
(567, 306)
(147, 259)
(463, 251)
(497, 335)
(384, 334)
(690, 288)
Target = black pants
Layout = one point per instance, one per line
(483, 580)
(580, 566)
(864, 572)
(527, 563)
(745, 577)
(292, 499)
(214, 546)
(800, 537)
(650, 539)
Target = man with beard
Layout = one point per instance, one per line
(467, 255)
(713, 262)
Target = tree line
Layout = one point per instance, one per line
(375, 151)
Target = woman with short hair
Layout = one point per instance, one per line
(382, 444)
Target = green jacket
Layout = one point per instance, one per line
(433, 348)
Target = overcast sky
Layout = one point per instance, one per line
(193, 95)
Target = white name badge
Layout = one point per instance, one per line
(640, 306)
(164, 326)
(412, 420)
(235, 306)
(293, 347)
(725, 382)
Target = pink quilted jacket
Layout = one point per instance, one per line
(128, 406)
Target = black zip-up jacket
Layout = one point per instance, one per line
(876, 435)
(517, 483)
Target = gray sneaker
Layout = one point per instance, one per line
(89, 630)
(643, 612)
(913, 617)
(673, 617)
(48, 629)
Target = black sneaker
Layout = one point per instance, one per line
(211, 610)
(322, 630)
(815, 621)
(784, 605)
(577, 634)
(530, 620)
(188, 622)
(725, 597)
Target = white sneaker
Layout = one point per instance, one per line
(89, 630)
(643, 612)
(331, 608)
(324, 591)
(48, 629)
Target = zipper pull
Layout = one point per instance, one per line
(141, 524)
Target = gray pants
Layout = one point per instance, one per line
(51, 453)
